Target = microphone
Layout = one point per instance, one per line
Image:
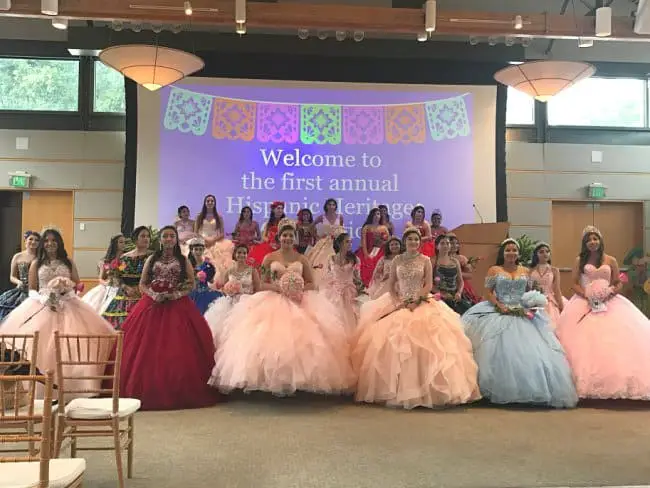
(478, 213)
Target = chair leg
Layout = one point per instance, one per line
(129, 452)
(118, 451)
(60, 426)
(73, 443)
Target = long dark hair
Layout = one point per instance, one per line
(387, 252)
(415, 209)
(61, 253)
(177, 254)
(336, 205)
(502, 249)
(191, 254)
(535, 259)
(585, 253)
(350, 257)
(137, 231)
(111, 252)
(371, 215)
(204, 212)
(272, 220)
(241, 214)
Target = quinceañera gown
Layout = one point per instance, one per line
(272, 343)
(379, 282)
(545, 279)
(168, 351)
(609, 350)
(418, 358)
(319, 255)
(220, 253)
(10, 299)
(56, 307)
(341, 285)
(519, 358)
(101, 295)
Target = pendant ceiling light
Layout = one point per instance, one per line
(544, 79)
(151, 66)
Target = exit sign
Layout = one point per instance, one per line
(597, 191)
(19, 180)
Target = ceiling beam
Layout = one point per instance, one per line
(332, 17)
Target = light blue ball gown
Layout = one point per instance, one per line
(519, 358)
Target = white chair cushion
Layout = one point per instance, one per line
(25, 475)
(38, 409)
(100, 408)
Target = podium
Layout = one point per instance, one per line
(481, 240)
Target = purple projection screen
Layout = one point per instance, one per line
(251, 145)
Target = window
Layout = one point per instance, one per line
(520, 108)
(600, 102)
(109, 90)
(50, 85)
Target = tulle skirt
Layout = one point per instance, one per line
(167, 356)
(203, 298)
(73, 317)
(318, 256)
(344, 299)
(409, 359)
(100, 297)
(10, 299)
(553, 311)
(273, 344)
(609, 351)
(218, 312)
(520, 360)
(220, 255)
(377, 288)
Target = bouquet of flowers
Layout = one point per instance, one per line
(533, 300)
(232, 288)
(202, 276)
(472, 261)
(268, 274)
(57, 289)
(597, 292)
(114, 269)
(292, 285)
(516, 311)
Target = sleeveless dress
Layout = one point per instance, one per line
(339, 286)
(546, 283)
(218, 311)
(10, 299)
(418, 358)
(259, 251)
(375, 240)
(118, 309)
(272, 343)
(379, 282)
(519, 359)
(609, 351)
(245, 233)
(203, 295)
(185, 229)
(168, 351)
(445, 277)
(101, 295)
(47, 310)
(221, 252)
(319, 255)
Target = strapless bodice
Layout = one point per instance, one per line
(591, 273)
(54, 269)
(279, 268)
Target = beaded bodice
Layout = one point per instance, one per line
(168, 272)
(244, 278)
(53, 269)
(591, 274)
(23, 272)
(279, 269)
(340, 273)
(410, 275)
(209, 227)
(508, 288)
(447, 278)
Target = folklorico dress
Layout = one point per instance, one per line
(418, 358)
(10, 299)
(119, 308)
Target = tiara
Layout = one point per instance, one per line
(542, 244)
(51, 227)
(436, 211)
(412, 229)
(590, 229)
(510, 240)
(196, 241)
(287, 223)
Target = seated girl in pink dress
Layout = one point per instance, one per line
(285, 337)
(269, 243)
(380, 277)
(606, 338)
(373, 238)
(410, 349)
(185, 228)
(209, 225)
(419, 221)
(326, 225)
(436, 224)
(547, 277)
(247, 231)
(168, 350)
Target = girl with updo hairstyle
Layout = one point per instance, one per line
(19, 274)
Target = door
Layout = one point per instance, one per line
(10, 237)
(50, 208)
(621, 224)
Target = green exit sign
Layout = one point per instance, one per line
(597, 191)
(19, 181)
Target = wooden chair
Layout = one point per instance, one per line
(18, 355)
(32, 471)
(94, 417)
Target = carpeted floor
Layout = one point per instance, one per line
(256, 441)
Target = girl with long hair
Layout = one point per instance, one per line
(547, 279)
(209, 225)
(247, 231)
(327, 223)
(109, 269)
(607, 339)
(374, 236)
(269, 243)
(168, 350)
(19, 274)
(519, 358)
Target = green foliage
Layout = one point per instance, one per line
(526, 248)
(109, 90)
(637, 274)
(155, 240)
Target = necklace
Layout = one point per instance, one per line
(411, 255)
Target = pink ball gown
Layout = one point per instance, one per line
(168, 351)
(340, 287)
(379, 282)
(272, 343)
(546, 283)
(609, 351)
(55, 307)
(220, 253)
(319, 255)
(418, 358)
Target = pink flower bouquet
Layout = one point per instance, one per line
(597, 293)
(293, 286)
(202, 276)
(232, 288)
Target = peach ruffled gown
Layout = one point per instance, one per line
(609, 351)
(270, 343)
(338, 286)
(418, 358)
(220, 253)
